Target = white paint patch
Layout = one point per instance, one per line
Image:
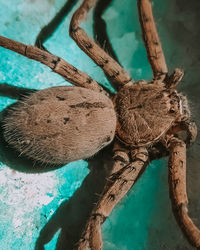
(24, 194)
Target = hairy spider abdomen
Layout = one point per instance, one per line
(61, 124)
(145, 111)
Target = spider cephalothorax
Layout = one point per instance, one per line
(145, 112)
(62, 124)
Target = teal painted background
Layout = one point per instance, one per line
(143, 220)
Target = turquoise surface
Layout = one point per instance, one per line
(27, 201)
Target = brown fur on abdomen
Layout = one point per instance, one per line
(61, 124)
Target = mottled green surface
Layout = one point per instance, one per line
(143, 220)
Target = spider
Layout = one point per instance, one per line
(143, 120)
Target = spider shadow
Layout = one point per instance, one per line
(72, 215)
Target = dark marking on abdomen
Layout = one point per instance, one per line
(66, 119)
(60, 98)
(88, 105)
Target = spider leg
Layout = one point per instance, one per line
(116, 74)
(120, 180)
(151, 39)
(177, 188)
(49, 29)
(14, 92)
(57, 64)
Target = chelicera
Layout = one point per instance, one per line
(63, 124)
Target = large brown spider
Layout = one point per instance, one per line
(144, 120)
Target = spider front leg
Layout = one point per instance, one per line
(122, 177)
(116, 74)
(154, 48)
(151, 39)
(177, 188)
